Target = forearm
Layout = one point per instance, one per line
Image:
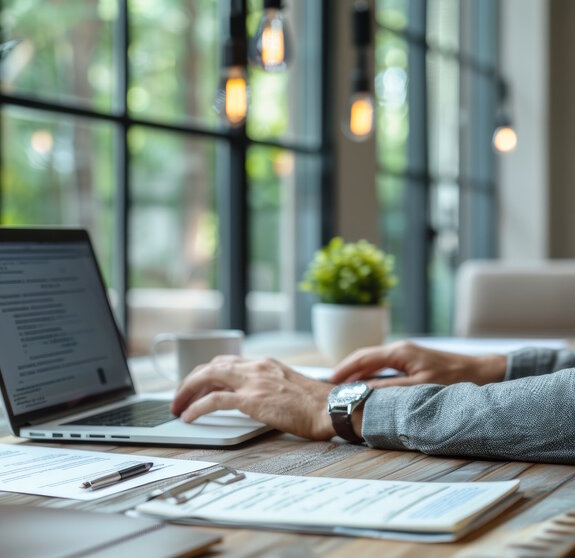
(529, 419)
(536, 362)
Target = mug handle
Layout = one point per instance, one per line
(156, 341)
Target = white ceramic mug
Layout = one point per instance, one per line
(194, 348)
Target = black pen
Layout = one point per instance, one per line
(117, 476)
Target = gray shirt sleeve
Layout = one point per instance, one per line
(535, 362)
(530, 417)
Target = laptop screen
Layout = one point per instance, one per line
(59, 345)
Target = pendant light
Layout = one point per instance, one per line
(504, 136)
(273, 43)
(232, 95)
(358, 122)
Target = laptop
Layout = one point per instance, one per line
(63, 369)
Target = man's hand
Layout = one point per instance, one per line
(420, 365)
(266, 390)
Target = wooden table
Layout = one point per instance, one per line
(546, 491)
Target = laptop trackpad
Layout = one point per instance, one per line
(226, 418)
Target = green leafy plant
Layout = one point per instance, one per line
(355, 273)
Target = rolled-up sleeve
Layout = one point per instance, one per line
(525, 419)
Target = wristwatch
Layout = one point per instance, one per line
(342, 401)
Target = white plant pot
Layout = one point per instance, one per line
(339, 329)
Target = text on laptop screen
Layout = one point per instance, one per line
(59, 340)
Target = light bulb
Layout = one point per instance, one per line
(358, 124)
(272, 40)
(42, 141)
(232, 96)
(273, 44)
(504, 139)
(359, 115)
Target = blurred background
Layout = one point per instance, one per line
(107, 121)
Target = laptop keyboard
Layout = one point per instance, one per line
(143, 413)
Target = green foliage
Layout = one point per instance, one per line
(350, 273)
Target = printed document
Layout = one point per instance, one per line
(357, 507)
(59, 472)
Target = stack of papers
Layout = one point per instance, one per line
(423, 511)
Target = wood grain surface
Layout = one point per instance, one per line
(547, 492)
(541, 523)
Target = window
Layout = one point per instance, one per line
(435, 83)
(107, 123)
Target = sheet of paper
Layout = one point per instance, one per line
(59, 472)
(323, 373)
(262, 499)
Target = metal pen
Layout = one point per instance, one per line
(117, 476)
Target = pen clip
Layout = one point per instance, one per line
(177, 491)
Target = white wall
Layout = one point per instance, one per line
(524, 174)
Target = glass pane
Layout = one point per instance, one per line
(479, 91)
(480, 19)
(173, 236)
(444, 218)
(391, 94)
(287, 105)
(479, 212)
(392, 228)
(444, 114)
(284, 206)
(65, 53)
(443, 24)
(59, 171)
(444, 208)
(402, 15)
(442, 286)
(174, 59)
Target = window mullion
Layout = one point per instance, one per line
(234, 222)
(417, 240)
(122, 164)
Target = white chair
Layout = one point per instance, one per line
(509, 299)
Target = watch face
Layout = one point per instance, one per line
(348, 393)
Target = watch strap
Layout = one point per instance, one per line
(341, 421)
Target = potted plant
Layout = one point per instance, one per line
(352, 281)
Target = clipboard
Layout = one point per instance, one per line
(181, 492)
(400, 510)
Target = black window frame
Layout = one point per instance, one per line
(234, 215)
(478, 239)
